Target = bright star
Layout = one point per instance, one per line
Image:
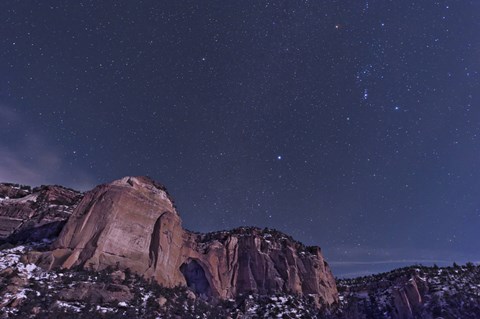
(279, 157)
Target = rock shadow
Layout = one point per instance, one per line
(196, 278)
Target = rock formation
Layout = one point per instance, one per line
(132, 223)
(262, 261)
(411, 292)
(27, 214)
(408, 297)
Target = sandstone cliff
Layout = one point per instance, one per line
(27, 214)
(408, 297)
(263, 261)
(132, 223)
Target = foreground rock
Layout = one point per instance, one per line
(29, 215)
(132, 224)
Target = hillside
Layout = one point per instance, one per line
(413, 292)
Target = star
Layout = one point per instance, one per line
(207, 101)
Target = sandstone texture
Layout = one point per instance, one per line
(264, 261)
(132, 224)
(34, 214)
(408, 297)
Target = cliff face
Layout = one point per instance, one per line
(27, 214)
(132, 223)
(262, 261)
(408, 297)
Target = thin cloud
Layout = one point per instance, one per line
(7, 115)
(381, 262)
(351, 261)
(30, 158)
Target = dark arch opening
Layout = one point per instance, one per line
(195, 277)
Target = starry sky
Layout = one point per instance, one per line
(353, 125)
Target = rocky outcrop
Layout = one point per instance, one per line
(408, 297)
(29, 215)
(261, 261)
(10, 190)
(409, 293)
(132, 223)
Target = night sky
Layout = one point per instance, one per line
(353, 125)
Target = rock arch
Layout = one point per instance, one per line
(196, 278)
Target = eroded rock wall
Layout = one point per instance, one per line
(29, 215)
(132, 223)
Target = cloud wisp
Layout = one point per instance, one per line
(29, 157)
(393, 261)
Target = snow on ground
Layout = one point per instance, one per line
(10, 257)
(69, 306)
(24, 199)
